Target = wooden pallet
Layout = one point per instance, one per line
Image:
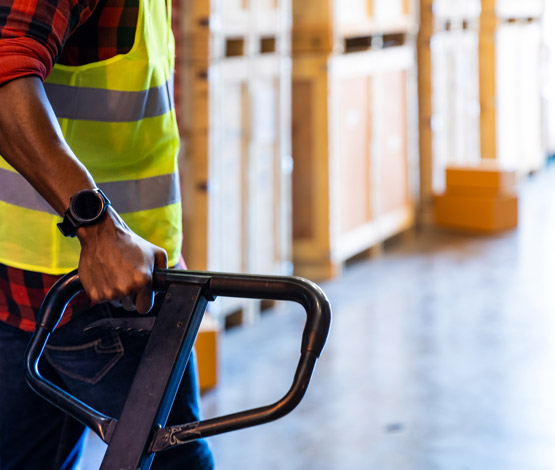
(353, 154)
(326, 26)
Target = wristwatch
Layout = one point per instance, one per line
(86, 207)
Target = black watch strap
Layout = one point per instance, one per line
(86, 207)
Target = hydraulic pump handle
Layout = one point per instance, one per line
(299, 290)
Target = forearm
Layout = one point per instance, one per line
(32, 142)
(115, 263)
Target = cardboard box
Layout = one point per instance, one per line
(207, 347)
(483, 179)
(477, 213)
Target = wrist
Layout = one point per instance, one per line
(107, 227)
(86, 208)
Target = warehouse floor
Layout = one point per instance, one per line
(441, 356)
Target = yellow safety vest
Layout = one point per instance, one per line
(118, 117)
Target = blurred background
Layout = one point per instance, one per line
(396, 152)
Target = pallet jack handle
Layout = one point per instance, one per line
(209, 285)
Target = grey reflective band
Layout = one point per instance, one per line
(144, 194)
(98, 104)
(126, 196)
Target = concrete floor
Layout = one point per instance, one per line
(441, 356)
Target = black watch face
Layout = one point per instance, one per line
(87, 205)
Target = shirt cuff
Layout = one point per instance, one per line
(20, 57)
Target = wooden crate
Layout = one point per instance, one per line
(449, 95)
(194, 15)
(353, 151)
(270, 167)
(455, 119)
(509, 9)
(233, 84)
(217, 29)
(453, 10)
(548, 23)
(510, 93)
(391, 12)
(232, 16)
(270, 17)
(236, 176)
(327, 26)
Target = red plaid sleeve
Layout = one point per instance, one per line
(22, 293)
(109, 31)
(33, 32)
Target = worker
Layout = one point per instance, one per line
(88, 179)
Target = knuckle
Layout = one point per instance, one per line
(94, 295)
(142, 279)
(116, 292)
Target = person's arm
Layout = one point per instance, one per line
(115, 263)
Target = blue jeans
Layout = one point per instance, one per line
(98, 368)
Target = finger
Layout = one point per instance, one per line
(160, 259)
(144, 300)
(128, 303)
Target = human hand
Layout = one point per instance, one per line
(117, 265)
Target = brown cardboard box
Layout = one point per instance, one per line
(479, 197)
(206, 347)
(483, 179)
(477, 213)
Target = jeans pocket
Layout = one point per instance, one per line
(88, 362)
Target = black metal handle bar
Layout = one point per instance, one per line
(295, 289)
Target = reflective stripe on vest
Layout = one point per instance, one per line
(97, 104)
(126, 196)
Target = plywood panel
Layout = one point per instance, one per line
(228, 184)
(393, 150)
(303, 159)
(353, 130)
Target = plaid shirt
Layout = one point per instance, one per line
(34, 34)
(22, 293)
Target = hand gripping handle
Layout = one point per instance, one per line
(299, 290)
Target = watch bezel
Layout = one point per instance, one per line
(73, 220)
(74, 206)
